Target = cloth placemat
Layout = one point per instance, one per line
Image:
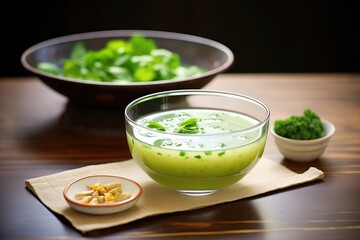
(265, 177)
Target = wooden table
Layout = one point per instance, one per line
(41, 134)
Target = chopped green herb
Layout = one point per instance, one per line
(156, 125)
(304, 127)
(198, 156)
(182, 153)
(221, 153)
(188, 126)
(208, 153)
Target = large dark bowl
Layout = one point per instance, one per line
(193, 50)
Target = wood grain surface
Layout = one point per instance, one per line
(41, 133)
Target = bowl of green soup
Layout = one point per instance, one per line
(112, 68)
(196, 141)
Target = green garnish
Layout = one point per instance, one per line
(221, 153)
(304, 127)
(156, 125)
(135, 60)
(188, 126)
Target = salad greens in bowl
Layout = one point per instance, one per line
(112, 68)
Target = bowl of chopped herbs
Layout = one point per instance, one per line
(111, 68)
(302, 138)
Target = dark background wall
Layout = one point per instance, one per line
(265, 36)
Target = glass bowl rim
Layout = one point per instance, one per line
(183, 92)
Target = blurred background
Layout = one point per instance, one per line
(265, 36)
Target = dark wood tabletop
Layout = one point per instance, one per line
(41, 133)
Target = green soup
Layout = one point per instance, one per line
(218, 155)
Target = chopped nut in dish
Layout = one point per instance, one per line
(102, 194)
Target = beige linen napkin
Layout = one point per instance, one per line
(265, 177)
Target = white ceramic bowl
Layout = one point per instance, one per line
(304, 150)
(79, 185)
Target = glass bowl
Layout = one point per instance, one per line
(193, 50)
(196, 141)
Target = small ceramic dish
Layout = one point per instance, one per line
(304, 150)
(80, 185)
